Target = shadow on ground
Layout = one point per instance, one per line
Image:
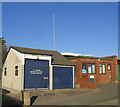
(33, 99)
(8, 100)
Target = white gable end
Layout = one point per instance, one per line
(14, 58)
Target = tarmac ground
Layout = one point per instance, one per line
(105, 94)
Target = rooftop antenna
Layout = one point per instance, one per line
(54, 29)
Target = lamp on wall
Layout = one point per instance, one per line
(37, 57)
(98, 59)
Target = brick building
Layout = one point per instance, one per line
(92, 70)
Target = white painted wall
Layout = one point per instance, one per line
(40, 57)
(11, 81)
(51, 78)
(73, 77)
(15, 58)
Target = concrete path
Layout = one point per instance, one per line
(55, 97)
(108, 102)
(108, 91)
(101, 95)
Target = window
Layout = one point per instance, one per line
(102, 68)
(91, 68)
(109, 67)
(5, 72)
(84, 68)
(16, 70)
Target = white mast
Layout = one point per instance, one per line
(54, 29)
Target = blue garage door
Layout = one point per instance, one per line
(62, 77)
(36, 73)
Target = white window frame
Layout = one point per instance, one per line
(16, 69)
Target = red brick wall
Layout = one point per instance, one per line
(109, 76)
(114, 68)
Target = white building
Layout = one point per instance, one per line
(68, 54)
(26, 68)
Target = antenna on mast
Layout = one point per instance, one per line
(54, 29)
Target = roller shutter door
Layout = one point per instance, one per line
(62, 77)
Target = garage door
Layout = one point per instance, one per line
(62, 77)
(36, 73)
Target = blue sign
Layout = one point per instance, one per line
(91, 80)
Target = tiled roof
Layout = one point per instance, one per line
(57, 58)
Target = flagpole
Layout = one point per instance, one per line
(54, 29)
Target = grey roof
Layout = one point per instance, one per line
(90, 57)
(57, 58)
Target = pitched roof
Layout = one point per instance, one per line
(57, 58)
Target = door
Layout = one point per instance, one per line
(36, 74)
(84, 79)
(62, 77)
(88, 76)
